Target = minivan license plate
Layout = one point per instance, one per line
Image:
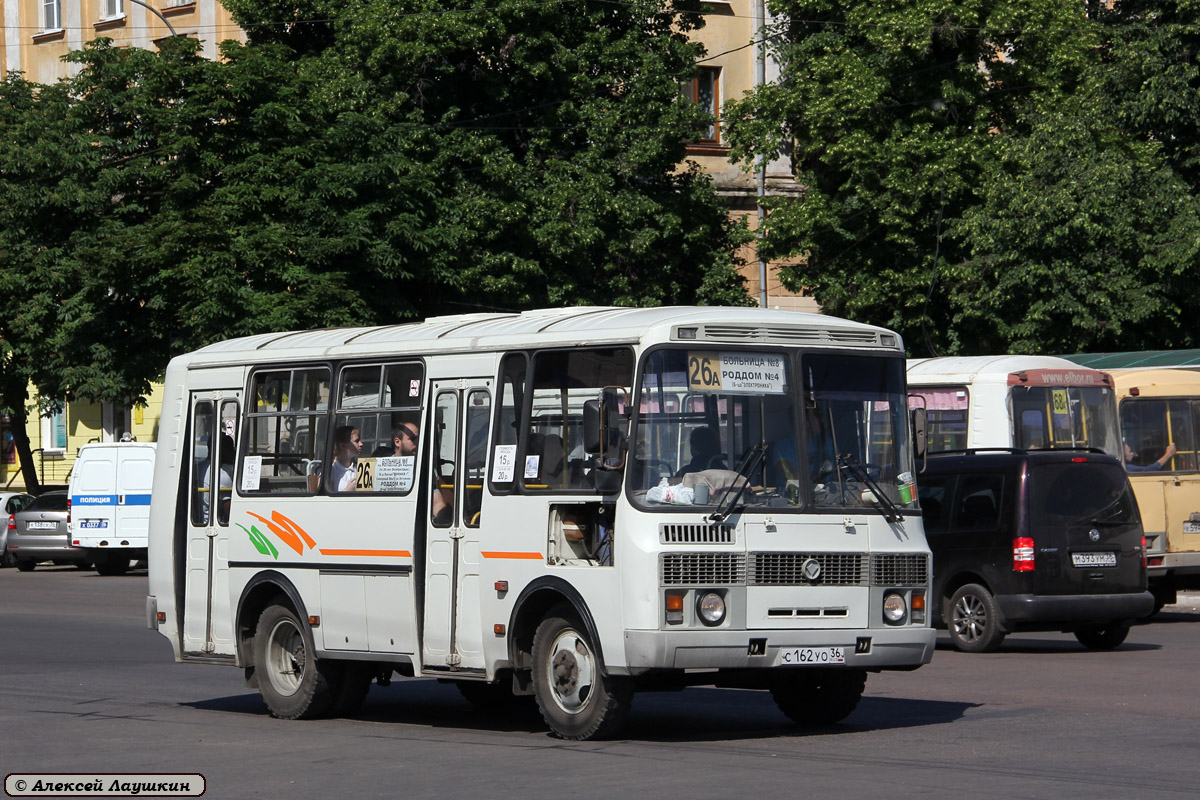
(41, 526)
(1105, 559)
(812, 655)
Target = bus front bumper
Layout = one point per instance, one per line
(874, 648)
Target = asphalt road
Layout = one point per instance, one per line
(85, 687)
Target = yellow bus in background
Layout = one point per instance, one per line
(1160, 427)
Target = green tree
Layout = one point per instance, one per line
(517, 154)
(368, 163)
(987, 176)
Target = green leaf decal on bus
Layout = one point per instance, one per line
(261, 543)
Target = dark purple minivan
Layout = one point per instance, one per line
(1033, 540)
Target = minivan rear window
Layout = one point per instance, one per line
(1073, 492)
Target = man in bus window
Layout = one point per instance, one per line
(347, 446)
(404, 441)
(1153, 466)
(705, 444)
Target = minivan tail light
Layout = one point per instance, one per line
(1023, 560)
(1143, 551)
(12, 522)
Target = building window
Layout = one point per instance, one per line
(705, 89)
(51, 15)
(54, 429)
(112, 8)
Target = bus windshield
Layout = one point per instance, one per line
(827, 427)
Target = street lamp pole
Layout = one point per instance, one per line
(156, 13)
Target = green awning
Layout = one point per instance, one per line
(1144, 358)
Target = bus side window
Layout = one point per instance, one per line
(445, 476)
(287, 423)
(479, 406)
(204, 445)
(227, 455)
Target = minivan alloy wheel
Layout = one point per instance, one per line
(974, 623)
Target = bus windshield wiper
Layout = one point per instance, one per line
(889, 510)
(745, 468)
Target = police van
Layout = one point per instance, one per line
(110, 503)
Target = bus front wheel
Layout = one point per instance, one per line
(293, 682)
(577, 699)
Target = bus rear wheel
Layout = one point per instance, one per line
(818, 696)
(577, 699)
(294, 683)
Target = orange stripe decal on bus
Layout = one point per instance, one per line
(286, 535)
(396, 553)
(288, 531)
(294, 528)
(497, 554)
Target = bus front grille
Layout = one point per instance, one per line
(695, 534)
(702, 569)
(789, 569)
(899, 569)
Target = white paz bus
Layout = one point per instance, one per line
(1026, 402)
(570, 503)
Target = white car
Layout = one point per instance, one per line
(10, 503)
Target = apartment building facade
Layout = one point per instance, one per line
(38, 33)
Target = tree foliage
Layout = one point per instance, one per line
(989, 176)
(353, 163)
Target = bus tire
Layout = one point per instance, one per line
(974, 621)
(818, 696)
(577, 699)
(293, 682)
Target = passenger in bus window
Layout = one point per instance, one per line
(226, 457)
(1153, 466)
(404, 441)
(347, 447)
(404, 436)
(705, 445)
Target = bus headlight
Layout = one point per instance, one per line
(895, 610)
(710, 608)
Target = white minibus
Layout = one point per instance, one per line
(1024, 402)
(520, 503)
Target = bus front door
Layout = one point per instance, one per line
(453, 486)
(207, 616)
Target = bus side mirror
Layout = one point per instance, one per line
(591, 426)
(918, 432)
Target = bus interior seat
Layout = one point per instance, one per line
(550, 468)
